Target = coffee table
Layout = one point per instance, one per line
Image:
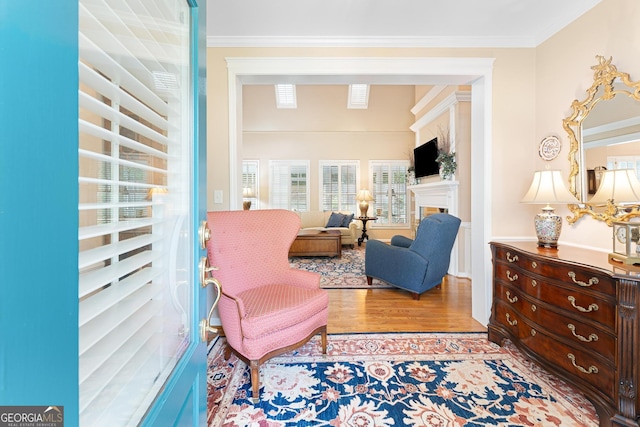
(317, 243)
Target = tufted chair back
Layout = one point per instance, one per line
(253, 246)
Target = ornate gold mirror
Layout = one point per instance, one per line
(604, 135)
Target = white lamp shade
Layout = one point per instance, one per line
(546, 187)
(248, 192)
(364, 195)
(619, 185)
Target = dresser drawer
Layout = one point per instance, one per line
(582, 278)
(514, 258)
(590, 337)
(586, 305)
(575, 361)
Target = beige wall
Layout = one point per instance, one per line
(322, 128)
(513, 120)
(564, 74)
(532, 91)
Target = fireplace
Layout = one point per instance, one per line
(433, 197)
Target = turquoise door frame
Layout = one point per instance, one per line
(39, 204)
(39, 217)
(183, 400)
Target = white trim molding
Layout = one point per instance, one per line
(442, 107)
(439, 194)
(474, 71)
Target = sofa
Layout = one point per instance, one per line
(345, 222)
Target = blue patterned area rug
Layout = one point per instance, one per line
(447, 379)
(346, 272)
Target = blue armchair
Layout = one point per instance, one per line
(414, 265)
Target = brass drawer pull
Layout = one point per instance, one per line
(511, 278)
(511, 322)
(534, 283)
(592, 281)
(533, 332)
(511, 258)
(533, 307)
(511, 300)
(534, 264)
(592, 369)
(592, 307)
(592, 337)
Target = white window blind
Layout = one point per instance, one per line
(288, 184)
(338, 186)
(388, 181)
(251, 182)
(134, 186)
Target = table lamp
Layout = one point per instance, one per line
(548, 187)
(364, 197)
(620, 187)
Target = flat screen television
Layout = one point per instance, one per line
(424, 158)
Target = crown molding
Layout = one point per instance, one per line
(427, 98)
(441, 108)
(407, 42)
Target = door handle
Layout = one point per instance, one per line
(204, 234)
(206, 280)
(204, 269)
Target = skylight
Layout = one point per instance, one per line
(286, 96)
(358, 96)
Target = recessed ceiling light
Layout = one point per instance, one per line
(286, 96)
(358, 96)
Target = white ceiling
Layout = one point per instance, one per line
(391, 23)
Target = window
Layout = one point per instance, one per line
(250, 182)
(338, 185)
(289, 185)
(358, 96)
(389, 188)
(134, 158)
(286, 96)
(624, 162)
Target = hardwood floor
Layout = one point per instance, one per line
(442, 309)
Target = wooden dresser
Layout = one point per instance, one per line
(576, 314)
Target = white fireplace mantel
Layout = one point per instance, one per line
(437, 194)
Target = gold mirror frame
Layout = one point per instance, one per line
(605, 74)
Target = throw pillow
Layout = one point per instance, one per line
(335, 220)
(347, 220)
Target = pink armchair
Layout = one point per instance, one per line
(266, 307)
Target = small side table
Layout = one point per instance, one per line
(364, 220)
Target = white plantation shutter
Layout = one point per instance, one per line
(289, 185)
(134, 157)
(388, 181)
(338, 185)
(250, 179)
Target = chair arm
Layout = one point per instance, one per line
(238, 302)
(354, 227)
(401, 241)
(388, 262)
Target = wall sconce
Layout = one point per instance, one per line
(548, 187)
(247, 192)
(364, 197)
